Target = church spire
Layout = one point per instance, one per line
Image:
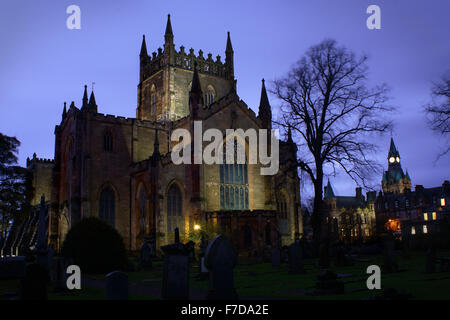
(168, 36)
(196, 94)
(289, 134)
(329, 193)
(229, 46)
(85, 97)
(229, 60)
(92, 103)
(393, 152)
(64, 110)
(265, 112)
(143, 53)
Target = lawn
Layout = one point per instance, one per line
(264, 281)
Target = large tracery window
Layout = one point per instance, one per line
(153, 100)
(209, 95)
(107, 205)
(142, 211)
(175, 217)
(233, 185)
(282, 208)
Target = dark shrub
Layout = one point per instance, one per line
(95, 247)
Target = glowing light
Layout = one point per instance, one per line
(196, 227)
(425, 216)
(442, 202)
(391, 159)
(434, 215)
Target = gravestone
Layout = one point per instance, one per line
(328, 283)
(220, 259)
(12, 267)
(389, 264)
(59, 273)
(203, 274)
(34, 285)
(285, 254)
(175, 270)
(116, 286)
(145, 261)
(190, 247)
(276, 257)
(295, 258)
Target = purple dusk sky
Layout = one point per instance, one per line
(43, 64)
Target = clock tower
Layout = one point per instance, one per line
(394, 179)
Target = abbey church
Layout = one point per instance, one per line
(120, 170)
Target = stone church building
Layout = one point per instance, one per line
(120, 170)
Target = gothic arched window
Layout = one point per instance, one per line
(142, 211)
(282, 207)
(107, 205)
(153, 100)
(233, 184)
(174, 209)
(210, 95)
(107, 141)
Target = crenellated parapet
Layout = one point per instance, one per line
(36, 160)
(185, 60)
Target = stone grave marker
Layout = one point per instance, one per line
(175, 270)
(34, 285)
(295, 258)
(220, 259)
(276, 257)
(116, 286)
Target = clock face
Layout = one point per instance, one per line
(398, 159)
(391, 159)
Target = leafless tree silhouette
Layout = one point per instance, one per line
(438, 110)
(331, 109)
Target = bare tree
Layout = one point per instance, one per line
(438, 110)
(327, 102)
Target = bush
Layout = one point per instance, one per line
(95, 247)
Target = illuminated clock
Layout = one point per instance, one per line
(398, 159)
(391, 159)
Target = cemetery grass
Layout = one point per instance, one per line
(262, 281)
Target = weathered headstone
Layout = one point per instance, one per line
(276, 257)
(175, 270)
(34, 285)
(116, 286)
(328, 283)
(285, 254)
(145, 261)
(59, 273)
(12, 267)
(203, 274)
(220, 259)
(295, 258)
(390, 264)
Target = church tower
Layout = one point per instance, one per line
(394, 180)
(165, 78)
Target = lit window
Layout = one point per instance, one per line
(442, 202)
(425, 216)
(413, 230)
(425, 229)
(434, 215)
(233, 184)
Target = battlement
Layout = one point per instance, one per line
(39, 161)
(157, 61)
